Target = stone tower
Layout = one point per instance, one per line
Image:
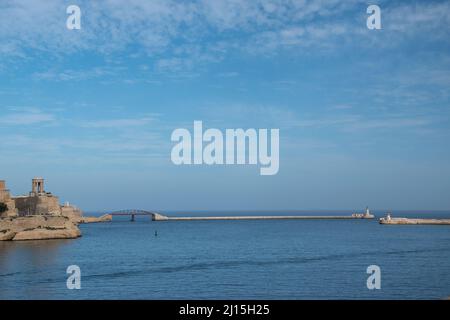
(37, 187)
(4, 193)
(5, 198)
(38, 202)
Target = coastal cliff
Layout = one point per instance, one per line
(38, 228)
(44, 227)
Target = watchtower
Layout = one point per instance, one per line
(3, 191)
(37, 186)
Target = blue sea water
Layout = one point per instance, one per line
(276, 259)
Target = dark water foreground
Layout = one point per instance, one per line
(279, 259)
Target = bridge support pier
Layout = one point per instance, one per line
(132, 218)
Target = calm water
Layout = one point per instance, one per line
(233, 260)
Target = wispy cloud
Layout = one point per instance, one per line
(77, 75)
(356, 122)
(118, 123)
(138, 148)
(26, 116)
(178, 35)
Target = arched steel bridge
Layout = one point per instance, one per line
(133, 213)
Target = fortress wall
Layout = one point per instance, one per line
(5, 198)
(37, 202)
(38, 205)
(4, 195)
(48, 204)
(71, 212)
(25, 205)
(12, 212)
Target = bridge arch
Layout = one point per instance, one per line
(133, 213)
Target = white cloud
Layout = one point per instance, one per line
(425, 15)
(179, 35)
(118, 123)
(26, 116)
(77, 75)
(356, 122)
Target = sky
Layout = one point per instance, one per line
(363, 114)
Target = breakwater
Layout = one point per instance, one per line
(160, 217)
(408, 221)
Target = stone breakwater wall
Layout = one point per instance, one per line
(415, 221)
(38, 228)
(160, 217)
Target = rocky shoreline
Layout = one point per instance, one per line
(44, 227)
(38, 228)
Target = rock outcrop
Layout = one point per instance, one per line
(104, 218)
(6, 235)
(38, 228)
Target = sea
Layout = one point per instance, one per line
(237, 259)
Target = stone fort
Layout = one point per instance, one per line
(37, 202)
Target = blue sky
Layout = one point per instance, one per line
(363, 114)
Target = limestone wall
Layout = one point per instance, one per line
(5, 198)
(71, 212)
(38, 205)
(48, 204)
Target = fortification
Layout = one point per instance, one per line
(37, 187)
(37, 202)
(38, 216)
(5, 198)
